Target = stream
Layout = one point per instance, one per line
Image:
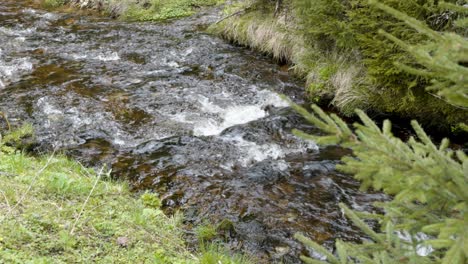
(174, 110)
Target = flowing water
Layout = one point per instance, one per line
(174, 110)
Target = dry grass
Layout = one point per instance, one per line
(347, 96)
(331, 76)
(265, 34)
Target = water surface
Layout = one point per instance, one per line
(174, 110)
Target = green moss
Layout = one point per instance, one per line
(53, 3)
(335, 46)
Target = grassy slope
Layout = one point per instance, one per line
(41, 221)
(54, 210)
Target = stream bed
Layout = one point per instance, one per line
(174, 110)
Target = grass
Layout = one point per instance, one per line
(206, 232)
(216, 254)
(157, 10)
(134, 10)
(261, 32)
(54, 210)
(53, 3)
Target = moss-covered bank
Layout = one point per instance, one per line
(336, 46)
(54, 210)
(148, 10)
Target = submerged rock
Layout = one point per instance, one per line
(268, 171)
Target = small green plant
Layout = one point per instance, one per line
(427, 182)
(206, 232)
(151, 200)
(11, 140)
(215, 254)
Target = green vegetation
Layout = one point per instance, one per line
(427, 220)
(336, 45)
(54, 210)
(206, 232)
(149, 10)
(215, 254)
(428, 183)
(155, 10)
(53, 3)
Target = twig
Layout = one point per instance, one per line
(446, 101)
(233, 14)
(86, 201)
(6, 200)
(7, 174)
(278, 5)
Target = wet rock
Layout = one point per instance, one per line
(268, 171)
(134, 57)
(252, 231)
(315, 168)
(280, 251)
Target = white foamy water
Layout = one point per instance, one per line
(17, 32)
(234, 115)
(102, 56)
(13, 70)
(421, 248)
(231, 116)
(108, 56)
(251, 152)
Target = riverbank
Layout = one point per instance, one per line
(54, 210)
(338, 50)
(134, 10)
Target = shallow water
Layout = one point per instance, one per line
(180, 112)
